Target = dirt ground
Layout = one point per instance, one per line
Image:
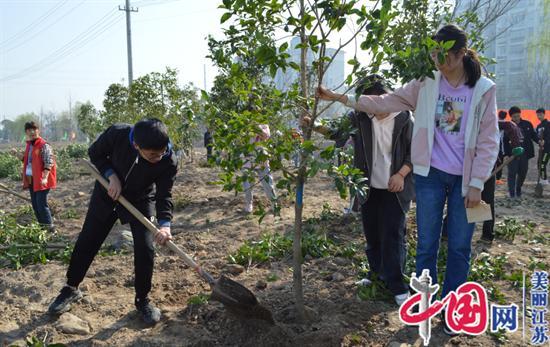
(209, 224)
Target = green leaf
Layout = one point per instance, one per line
(294, 65)
(225, 17)
(447, 45)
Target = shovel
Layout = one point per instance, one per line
(516, 152)
(538, 187)
(234, 296)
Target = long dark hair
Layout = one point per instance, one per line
(471, 62)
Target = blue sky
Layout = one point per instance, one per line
(79, 48)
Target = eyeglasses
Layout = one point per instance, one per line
(152, 155)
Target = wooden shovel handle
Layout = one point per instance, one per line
(501, 166)
(6, 189)
(148, 224)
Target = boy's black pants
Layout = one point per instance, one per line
(384, 227)
(94, 231)
(488, 195)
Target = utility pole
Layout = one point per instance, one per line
(129, 9)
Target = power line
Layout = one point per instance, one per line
(34, 24)
(144, 3)
(78, 42)
(44, 29)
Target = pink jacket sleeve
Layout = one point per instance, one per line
(486, 149)
(401, 99)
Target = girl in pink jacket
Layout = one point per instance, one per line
(453, 150)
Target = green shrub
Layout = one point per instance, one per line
(269, 247)
(10, 166)
(199, 299)
(510, 227)
(76, 151)
(24, 245)
(33, 341)
(487, 268)
(272, 247)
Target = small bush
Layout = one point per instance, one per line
(10, 166)
(199, 299)
(33, 341)
(510, 227)
(24, 245)
(487, 268)
(275, 246)
(270, 247)
(76, 151)
(69, 213)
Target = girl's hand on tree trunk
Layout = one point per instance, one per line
(328, 95)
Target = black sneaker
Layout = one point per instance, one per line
(486, 240)
(64, 300)
(446, 328)
(149, 313)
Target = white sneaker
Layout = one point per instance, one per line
(401, 298)
(544, 182)
(365, 282)
(248, 208)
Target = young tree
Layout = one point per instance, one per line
(88, 120)
(254, 47)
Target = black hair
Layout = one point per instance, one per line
(471, 62)
(514, 109)
(151, 134)
(502, 114)
(31, 125)
(540, 110)
(373, 85)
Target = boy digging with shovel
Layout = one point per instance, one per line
(133, 159)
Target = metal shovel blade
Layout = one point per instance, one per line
(239, 300)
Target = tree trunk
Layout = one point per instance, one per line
(297, 251)
(300, 180)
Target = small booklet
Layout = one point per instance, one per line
(480, 213)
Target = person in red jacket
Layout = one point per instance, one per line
(39, 174)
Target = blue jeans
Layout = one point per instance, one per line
(40, 206)
(431, 193)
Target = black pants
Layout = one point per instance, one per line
(94, 231)
(543, 163)
(513, 177)
(523, 168)
(499, 161)
(488, 195)
(384, 227)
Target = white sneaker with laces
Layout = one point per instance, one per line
(401, 298)
(544, 182)
(365, 282)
